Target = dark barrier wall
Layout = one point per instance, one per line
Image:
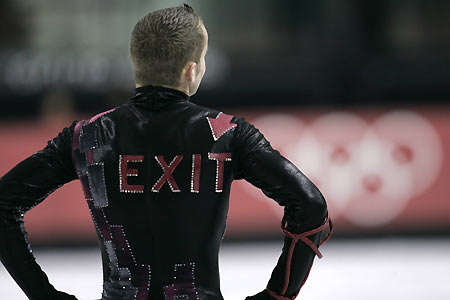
(381, 170)
(261, 52)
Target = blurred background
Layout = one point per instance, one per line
(355, 93)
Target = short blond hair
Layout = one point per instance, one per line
(162, 42)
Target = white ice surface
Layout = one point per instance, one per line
(361, 270)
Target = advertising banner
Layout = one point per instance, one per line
(381, 171)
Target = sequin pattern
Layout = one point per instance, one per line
(220, 125)
(124, 172)
(128, 277)
(195, 175)
(184, 283)
(220, 158)
(167, 173)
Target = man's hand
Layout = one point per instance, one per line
(64, 296)
(263, 295)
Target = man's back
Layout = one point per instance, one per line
(157, 182)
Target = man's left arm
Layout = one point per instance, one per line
(22, 188)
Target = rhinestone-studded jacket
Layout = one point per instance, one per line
(156, 174)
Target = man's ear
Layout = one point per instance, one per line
(190, 71)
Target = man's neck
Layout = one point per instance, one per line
(179, 88)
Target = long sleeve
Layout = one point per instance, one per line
(305, 209)
(22, 188)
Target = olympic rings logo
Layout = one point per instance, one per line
(367, 170)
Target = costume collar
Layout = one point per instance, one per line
(158, 97)
(160, 92)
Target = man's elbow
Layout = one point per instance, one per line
(308, 211)
(316, 209)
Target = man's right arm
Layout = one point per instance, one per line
(305, 209)
(22, 188)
